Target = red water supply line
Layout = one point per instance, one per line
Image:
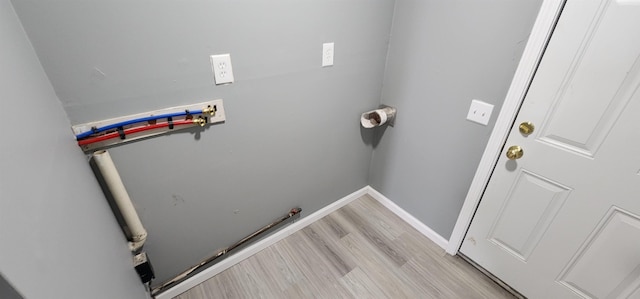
(136, 130)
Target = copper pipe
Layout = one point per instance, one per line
(185, 274)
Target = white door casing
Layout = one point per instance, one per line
(564, 220)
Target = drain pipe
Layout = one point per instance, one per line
(113, 182)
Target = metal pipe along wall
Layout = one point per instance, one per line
(121, 197)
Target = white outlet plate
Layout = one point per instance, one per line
(222, 70)
(480, 112)
(327, 54)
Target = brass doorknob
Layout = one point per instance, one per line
(526, 128)
(515, 152)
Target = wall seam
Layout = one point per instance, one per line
(376, 133)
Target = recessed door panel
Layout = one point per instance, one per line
(608, 266)
(531, 206)
(581, 116)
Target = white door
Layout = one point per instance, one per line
(563, 221)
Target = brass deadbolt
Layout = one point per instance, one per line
(526, 128)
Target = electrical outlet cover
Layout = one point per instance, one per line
(480, 112)
(222, 70)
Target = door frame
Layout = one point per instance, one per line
(534, 50)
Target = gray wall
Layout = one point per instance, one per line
(58, 238)
(292, 136)
(443, 54)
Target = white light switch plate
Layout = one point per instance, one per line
(222, 70)
(327, 54)
(480, 112)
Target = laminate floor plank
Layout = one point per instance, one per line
(456, 273)
(258, 283)
(427, 286)
(363, 250)
(374, 207)
(295, 291)
(361, 285)
(330, 252)
(373, 236)
(380, 268)
(335, 227)
(381, 223)
(276, 270)
(319, 274)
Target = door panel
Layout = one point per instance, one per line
(561, 222)
(584, 132)
(530, 207)
(593, 272)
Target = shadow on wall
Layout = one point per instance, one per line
(372, 136)
(7, 291)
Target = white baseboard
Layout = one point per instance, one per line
(260, 245)
(296, 226)
(417, 224)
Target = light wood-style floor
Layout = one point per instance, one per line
(362, 250)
